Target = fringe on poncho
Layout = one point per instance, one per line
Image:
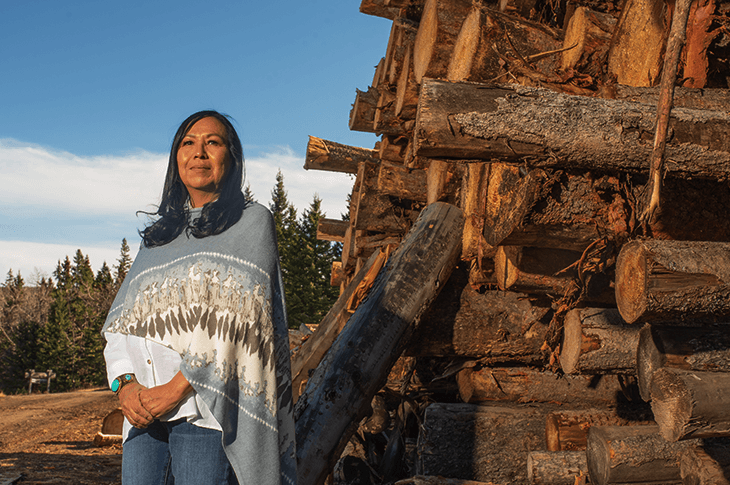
(218, 301)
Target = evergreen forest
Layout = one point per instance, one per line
(55, 322)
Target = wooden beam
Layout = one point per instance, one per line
(335, 157)
(357, 365)
(472, 121)
(332, 230)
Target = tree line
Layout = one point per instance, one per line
(56, 324)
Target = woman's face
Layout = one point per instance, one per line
(203, 160)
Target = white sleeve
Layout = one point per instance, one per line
(116, 356)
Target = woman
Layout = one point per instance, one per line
(197, 342)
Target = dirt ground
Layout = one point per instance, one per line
(48, 439)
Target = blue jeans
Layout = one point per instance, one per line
(175, 453)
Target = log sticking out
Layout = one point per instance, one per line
(335, 157)
(691, 404)
(670, 280)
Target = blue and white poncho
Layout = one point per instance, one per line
(218, 301)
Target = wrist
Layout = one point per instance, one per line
(122, 381)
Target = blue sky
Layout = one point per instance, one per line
(92, 93)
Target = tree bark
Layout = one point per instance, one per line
(706, 464)
(637, 48)
(522, 384)
(514, 123)
(357, 365)
(556, 467)
(568, 430)
(691, 404)
(704, 349)
(494, 325)
(673, 281)
(709, 99)
(402, 182)
(632, 454)
(335, 157)
(332, 230)
(598, 341)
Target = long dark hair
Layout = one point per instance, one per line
(217, 216)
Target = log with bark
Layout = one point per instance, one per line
(706, 464)
(335, 157)
(544, 128)
(315, 347)
(332, 230)
(691, 404)
(633, 454)
(479, 442)
(375, 211)
(402, 182)
(555, 467)
(357, 365)
(598, 341)
(473, 201)
(568, 430)
(362, 114)
(437, 32)
(493, 45)
(709, 99)
(691, 348)
(673, 280)
(493, 325)
(522, 384)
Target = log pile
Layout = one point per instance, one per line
(542, 224)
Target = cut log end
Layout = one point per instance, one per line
(465, 48)
(631, 282)
(598, 454)
(572, 342)
(671, 403)
(425, 39)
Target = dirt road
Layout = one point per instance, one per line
(47, 439)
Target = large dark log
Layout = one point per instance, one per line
(598, 341)
(673, 280)
(555, 467)
(568, 430)
(357, 365)
(690, 348)
(706, 464)
(632, 454)
(335, 157)
(313, 349)
(499, 326)
(513, 123)
(522, 384)
(485, 443)
(691, 404)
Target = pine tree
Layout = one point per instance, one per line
(285, 219)
(248, 195)
(313, 265)
(123, 263)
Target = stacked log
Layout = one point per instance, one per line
(492, 108)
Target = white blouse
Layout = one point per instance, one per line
(153, 364)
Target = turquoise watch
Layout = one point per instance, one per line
(121, 381)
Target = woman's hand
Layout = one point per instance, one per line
(132, 408)
(160, 400)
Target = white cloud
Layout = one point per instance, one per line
(40, 177)
(39, 181)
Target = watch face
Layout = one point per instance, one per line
(115, 385)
